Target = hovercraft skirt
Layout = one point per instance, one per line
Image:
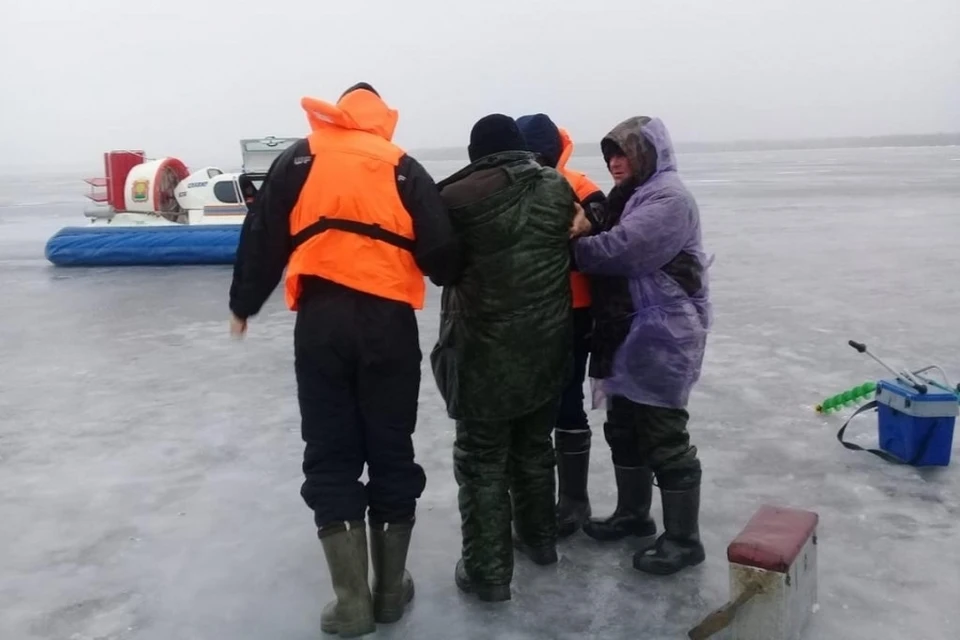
(98, 246)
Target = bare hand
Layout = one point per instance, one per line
(238, 327)
(581, 224)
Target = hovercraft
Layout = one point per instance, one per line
(152, 212)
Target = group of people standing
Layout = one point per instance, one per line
(541, 274)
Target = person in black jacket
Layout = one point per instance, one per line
(345, 192)
(553, 147)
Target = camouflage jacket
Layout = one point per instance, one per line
(504, 348)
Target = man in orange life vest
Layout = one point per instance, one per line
(554, 147)
(356, 223)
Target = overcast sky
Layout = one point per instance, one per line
(191, 77)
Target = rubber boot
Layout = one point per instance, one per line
(486, 592)
(351, 615)
(542, 556)
(679, 546)
(573, 505)
(632, 515)
(392, 583)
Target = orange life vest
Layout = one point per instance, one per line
(349, 224)
(583, 187)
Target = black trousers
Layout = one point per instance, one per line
(572, 433)
(358, 381)
(641, 435)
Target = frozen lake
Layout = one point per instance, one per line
(150, 466)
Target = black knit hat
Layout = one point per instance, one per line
(494, 134)
(542, 136)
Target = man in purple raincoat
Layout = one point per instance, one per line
(651, 312)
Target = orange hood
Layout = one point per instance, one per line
(566, 146)
(360, 109)
(582, 185)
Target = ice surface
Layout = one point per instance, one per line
(150, 466)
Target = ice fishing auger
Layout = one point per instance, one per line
(856, 395)
(916, 413)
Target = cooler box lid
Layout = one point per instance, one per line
(904, 398)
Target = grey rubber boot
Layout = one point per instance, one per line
(392, 583)
(345, 547)
(632, 515)
(679, 546)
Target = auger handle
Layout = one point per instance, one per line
(859, 346)
(905, 376)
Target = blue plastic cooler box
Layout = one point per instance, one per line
(916, 427)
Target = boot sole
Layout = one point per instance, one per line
(389, 615)
(613, 536)
(541, 560)
(498, 593)
(486, 593)
(349, 631)
(658, 569)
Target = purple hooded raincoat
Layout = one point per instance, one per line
(660, 360)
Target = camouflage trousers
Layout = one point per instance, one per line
(494, 462)
(656, 437)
